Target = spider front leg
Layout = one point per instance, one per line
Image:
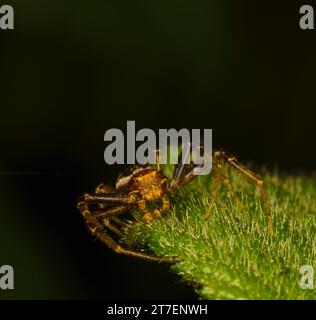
(99, 229)
(110, 212)
(96, 228)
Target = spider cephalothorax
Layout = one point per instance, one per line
(148, 190)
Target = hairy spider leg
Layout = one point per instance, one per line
(227, 184)
(103, 188)
(254, 179)
(221, 179)
(96, 228)
(217, 174)
(218, 156)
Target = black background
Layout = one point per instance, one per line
(71, 70)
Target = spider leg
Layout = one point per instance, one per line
(120, 222)
(97, 229)
(181, 168)
(158, 167)
(219, 180)
(217, 174)
(108, 223)
(252, 177)
(182, 176)
(108, 198)
(111, 227)
(108, 215)
(231, 191)
(104, 212)
(103, 188)
(109, 212)
(184, 173)
(182, 179)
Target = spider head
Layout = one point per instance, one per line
(149, 183)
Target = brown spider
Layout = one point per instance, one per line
(148, 190)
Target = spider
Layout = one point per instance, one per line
(147, 189)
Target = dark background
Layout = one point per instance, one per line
(73, 69)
